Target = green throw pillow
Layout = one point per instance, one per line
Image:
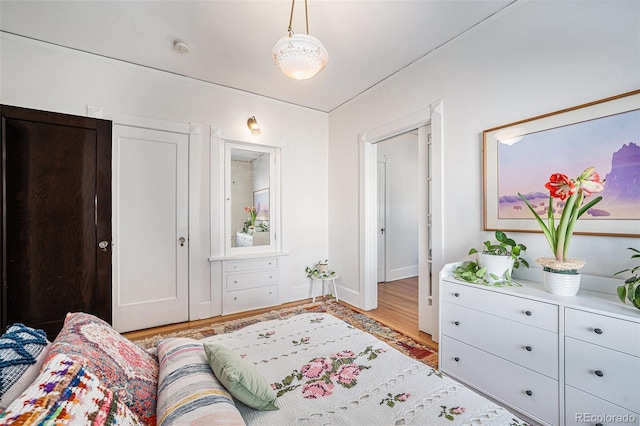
(240, 378)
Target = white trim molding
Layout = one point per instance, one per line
(368, 209)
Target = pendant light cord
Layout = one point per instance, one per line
(306, 16)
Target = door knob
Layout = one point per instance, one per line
(103, 245)
(181, 240)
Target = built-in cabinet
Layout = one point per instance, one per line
(555, 360)
(247, 263)
(250, 283)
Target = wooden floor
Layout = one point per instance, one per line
(397, 308)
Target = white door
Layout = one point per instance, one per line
(382, 222)
(150, 225)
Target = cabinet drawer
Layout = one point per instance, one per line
(251, 279)
(245, 300)
(584, 409)
(613, 333)
(252, 264)
(532, 393)
(526, 311)
(611, 375)
(522, 344)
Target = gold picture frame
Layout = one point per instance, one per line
(519, 158)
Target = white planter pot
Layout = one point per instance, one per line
(496, 265)
(561, 284)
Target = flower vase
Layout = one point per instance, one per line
(251, 230)
(496, 265)
(561, 283)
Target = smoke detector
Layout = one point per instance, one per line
(181, 46)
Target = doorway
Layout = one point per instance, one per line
(150, 223)
(56, 225)
(398, 207)
(157, 248)
(430, 240)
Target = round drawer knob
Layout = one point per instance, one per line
(456, 294)
(528, 348)
(528, 313)
(456, 359)
(599, 373)
(528, 392)
(235, 298)
(597, 330)
(456, 322)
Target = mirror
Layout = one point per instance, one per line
(250, 177)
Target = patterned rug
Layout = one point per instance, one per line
(401, 342)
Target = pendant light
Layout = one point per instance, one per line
(300, 56)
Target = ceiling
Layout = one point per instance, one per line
(231, 40)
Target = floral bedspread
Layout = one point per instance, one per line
(327, 372)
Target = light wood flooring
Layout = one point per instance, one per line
(397, 309)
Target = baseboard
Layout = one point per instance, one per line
(401, 273)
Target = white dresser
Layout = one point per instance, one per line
(250, 283)
(555, 360)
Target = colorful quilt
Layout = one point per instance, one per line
(327, 372)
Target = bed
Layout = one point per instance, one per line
(325, 371)
(311, 368)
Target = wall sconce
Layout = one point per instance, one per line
(252, 124)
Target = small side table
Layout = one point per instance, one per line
(321, 280)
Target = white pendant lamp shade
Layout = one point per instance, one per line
(300, 56)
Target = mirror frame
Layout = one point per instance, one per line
(274, 199)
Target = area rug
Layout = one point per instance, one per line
(401, 342)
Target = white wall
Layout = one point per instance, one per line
(41, 76)
(537, 57)
(401, 156)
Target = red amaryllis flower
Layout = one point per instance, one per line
(574, 191)
(560, 186)
(590, 182)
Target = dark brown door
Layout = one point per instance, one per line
(56, 204)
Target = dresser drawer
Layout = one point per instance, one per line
(525, 311)
(251, 279)
(251, 264)
(585, 409)
(522, 344)
(611, 375)
(613, 333)
(245, 300)
(532, 393)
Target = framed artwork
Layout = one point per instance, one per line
(520, 157)
(261, 203)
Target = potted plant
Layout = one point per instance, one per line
(499, 259)
(631, 288)
(319, 270)
(560, 275)
(249, 226)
